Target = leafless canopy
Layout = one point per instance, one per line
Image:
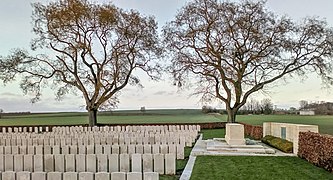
(235, 49)
(92, 48)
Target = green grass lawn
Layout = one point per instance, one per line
(253, 167)
(325, 123)
(206, 167)
(116, 117)
(212, 133)
(161, 116)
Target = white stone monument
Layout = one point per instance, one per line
(234, 134)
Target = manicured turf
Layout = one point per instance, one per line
(206, 167)
(256, 168)
(213, 133)
(117, 117)
(325, 123)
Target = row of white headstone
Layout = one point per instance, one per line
(23, 175)
(128, 128)
(160, 163)
(96, 149)
(133, 147)
(64, 129)
(184, 138)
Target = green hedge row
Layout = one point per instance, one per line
(278, 143)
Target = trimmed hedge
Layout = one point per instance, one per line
(278, 143)
(256, 132)
(317, 149)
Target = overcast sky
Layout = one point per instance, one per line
(15, 32)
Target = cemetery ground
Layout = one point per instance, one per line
(206, 167)
(325, 123)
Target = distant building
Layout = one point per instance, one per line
(306, 112)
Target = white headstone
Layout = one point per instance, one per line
(59, 163)
(147, 163)
(159, 163)
(124, 163)
(28, 163)
(91, 163)
(70, 176)
(22, 175)
(82, 149)
(54, 175)
(47, 149)
(115, 149)
(70, 162)
(102, 176)
(139, 149)
(136, 163)
(18, 162)
(134, 176)
(9, 162)
(8, 175)
(86, 176)
(113, 162)
(170, 164)
(80, 162)
(48, 163)
(180, 151)
(118, 176)
(147, 149)
(38, 163)
(102, 163)
(38, 176)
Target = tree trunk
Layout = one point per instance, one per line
(92, 117)
(231, 115)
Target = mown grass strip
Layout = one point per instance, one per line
(253, 167)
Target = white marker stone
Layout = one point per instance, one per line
(70, 176)
(136, 163)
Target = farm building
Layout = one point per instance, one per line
(306, 112)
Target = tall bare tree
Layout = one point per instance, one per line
(1, 111)
(235, 49)
(267, 106)
(91, 48)
(303, 104)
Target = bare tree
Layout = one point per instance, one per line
(143, 109)
(303, 104)
(90, 48)
(267, 106)
(235, 49)
(1, 111)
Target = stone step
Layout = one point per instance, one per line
(242, 150)
(222, 144)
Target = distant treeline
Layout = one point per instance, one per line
(320, 108)
(16, 113)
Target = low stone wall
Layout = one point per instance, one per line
(288, 131)
(317, 149)
(256, 132)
